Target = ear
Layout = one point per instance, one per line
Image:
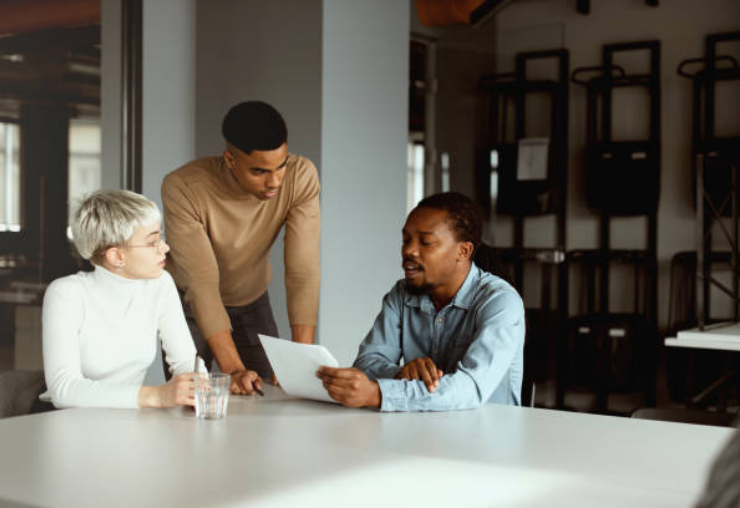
(228, 157)
(465, 251)
(114, 256)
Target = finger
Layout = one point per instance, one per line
(328, 371)
(413, 372)
(340, 373)
(403, 373)
(426, 377)
(246, 386)
(432, 371)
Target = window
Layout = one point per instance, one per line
(414, 175)
(84, 162)
(10, 177)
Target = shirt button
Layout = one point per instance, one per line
(435, 351)
(439, 320)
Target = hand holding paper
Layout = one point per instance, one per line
(295, 366)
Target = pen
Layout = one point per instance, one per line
(262, 394)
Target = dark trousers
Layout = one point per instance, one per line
(246, 322)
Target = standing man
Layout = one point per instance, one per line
(222, 216)
(459, 330)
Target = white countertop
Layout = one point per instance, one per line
(276, 451)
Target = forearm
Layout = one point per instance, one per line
(376, 366)
(455, 392)
(224, 351)
(304, 334)
(150, 396)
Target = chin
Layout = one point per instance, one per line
(417, 289)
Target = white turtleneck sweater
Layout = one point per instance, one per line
(100, 337)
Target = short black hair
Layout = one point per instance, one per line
(462, 214)
(254, 125)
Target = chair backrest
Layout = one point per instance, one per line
(19, 389)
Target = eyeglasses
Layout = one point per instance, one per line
(154, 244)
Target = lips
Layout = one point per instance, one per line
(271, 194)
(412, 269)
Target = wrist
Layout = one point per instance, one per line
(150, 396)
(377, 396)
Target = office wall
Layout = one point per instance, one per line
(270, 51)
(110, 93)
(168, 94)
(168, 90)
(680, 25)
(363, 146)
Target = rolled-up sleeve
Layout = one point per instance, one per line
(496, 345)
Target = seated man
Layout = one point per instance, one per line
(459, 330)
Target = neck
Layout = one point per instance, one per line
(443, 294)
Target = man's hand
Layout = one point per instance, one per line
(243, 382)
(424, 369)
(350, 387)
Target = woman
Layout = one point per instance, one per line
(100, 328)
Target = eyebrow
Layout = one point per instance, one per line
(404, 230)
(257, 168)
(153, 233)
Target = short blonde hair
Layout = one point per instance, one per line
(107, 218)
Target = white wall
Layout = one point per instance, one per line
(681, 26)
(364, 133)
(168, 90)
(168, 94)
(110, 93)
(269, 51)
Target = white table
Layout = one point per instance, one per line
(719, 337)
(276, 451)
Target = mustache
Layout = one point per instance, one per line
(409, 260)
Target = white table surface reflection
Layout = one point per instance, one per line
(277, 451)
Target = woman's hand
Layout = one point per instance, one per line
(178, 391)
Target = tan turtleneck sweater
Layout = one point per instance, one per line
(221, 237)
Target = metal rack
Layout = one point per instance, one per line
(497, 153)
(717, 174)
(612, 167)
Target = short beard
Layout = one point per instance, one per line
(417, 290)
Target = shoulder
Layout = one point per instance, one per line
(494, 296)
(68, 289)
(196, 171)
(164, 284)
(304, 171)
(397, 295)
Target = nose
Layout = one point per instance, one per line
(409, 249)
(164, 247)
(273, 181)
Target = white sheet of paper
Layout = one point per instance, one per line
(295, 366)
(531, 162)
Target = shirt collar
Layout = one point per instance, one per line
(461, 299)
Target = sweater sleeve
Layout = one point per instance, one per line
(177, 342)
(302, 241)
(197, 267)
(62, 316)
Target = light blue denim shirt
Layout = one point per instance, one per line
(477, 340)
